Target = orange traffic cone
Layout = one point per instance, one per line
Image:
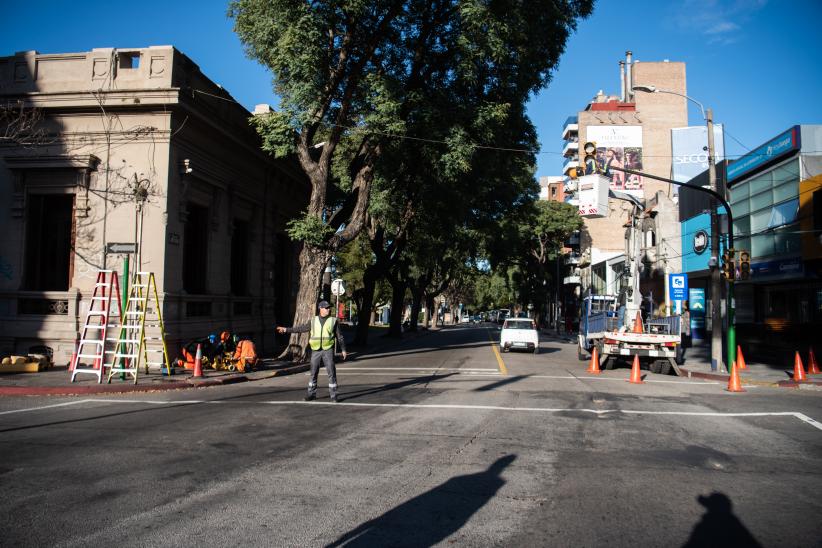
(798, 369)
(198, 362)
(638, 323)
(734, 384)
(813, 367)
(594, 367)
(740, 358)
(636, 377)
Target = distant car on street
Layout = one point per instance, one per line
(519, 334)
(465, 318)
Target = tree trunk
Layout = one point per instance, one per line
(430, 313)
(416, 304)
(397, 305)
(365, 310)
(312, 265)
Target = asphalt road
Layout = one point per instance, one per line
(435, 442)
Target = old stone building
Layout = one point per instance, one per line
(139, 146)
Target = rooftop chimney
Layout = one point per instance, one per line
(622, 81)
(629, 93)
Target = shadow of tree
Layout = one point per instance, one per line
(432, 516)
(719, 526)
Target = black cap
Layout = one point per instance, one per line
(323, 304)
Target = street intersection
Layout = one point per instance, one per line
(436, 440)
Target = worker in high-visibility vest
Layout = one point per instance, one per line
(324, 332)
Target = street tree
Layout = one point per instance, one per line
(352, 75)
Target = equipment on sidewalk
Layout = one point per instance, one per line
(798, 369)
(636, 377)
(734, 382)
(93, 339)
(813, 367)
(740, 358)
(594, 367)
(133, 344)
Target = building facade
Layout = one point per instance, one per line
(138, 146)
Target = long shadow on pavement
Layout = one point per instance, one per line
(432, 516)
(344, 396)
(719, 526)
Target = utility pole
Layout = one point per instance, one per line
(716, 277)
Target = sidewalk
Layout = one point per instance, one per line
(698, 365)
(56, 381)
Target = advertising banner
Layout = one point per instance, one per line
(619, 146)
(689, 146)
(697, 307)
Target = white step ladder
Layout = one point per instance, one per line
(89, 356)
(142, 338)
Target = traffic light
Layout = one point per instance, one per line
(727, 267)
(744, 265)
(589, 157)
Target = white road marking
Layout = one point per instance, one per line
(42, 407)
(466, 369)
(801, 416)
(496, 373)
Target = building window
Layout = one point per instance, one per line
(49, 242)
(195, 250)
(129, 60)
(239, 258)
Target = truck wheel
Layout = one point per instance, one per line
(655, 366)
(663, 367)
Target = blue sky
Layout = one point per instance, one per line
(757, 63)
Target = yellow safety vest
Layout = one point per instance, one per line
(322, 335)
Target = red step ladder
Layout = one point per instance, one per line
(89, 357)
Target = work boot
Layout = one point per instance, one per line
(310, 397)
(333, 399)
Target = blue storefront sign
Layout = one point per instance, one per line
(778, 146)
(697, 306)
(783, 268)
(678, 287)
(696, 242)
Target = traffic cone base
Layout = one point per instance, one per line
(636, 376)
(813, 367)
(594, 366)
(740, 359)
(734, 383)
(798, 369)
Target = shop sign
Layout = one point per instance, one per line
(785, 268)
(774, 148)
(701, 241)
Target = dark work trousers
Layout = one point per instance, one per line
(326, 357)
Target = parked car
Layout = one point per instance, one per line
(465, 318)
(519, 334)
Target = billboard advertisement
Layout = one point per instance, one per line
(619, 146)
(689, 147)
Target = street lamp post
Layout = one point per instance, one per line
(716, 279)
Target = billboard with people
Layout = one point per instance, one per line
(619, 147)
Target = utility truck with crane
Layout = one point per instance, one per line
(613, 324)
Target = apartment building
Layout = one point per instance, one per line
(630, 130)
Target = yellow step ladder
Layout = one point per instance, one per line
(142, 337)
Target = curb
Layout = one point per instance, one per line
(78, 390)
(724, 378)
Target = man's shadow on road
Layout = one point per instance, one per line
(432, 516)
(719, 526)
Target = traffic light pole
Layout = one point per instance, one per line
(721, 199)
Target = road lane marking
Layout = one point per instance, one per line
(570, 377)
(797, 415)
(468, 369)
(502, 369)
(42, 407)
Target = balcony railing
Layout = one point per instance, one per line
(571, 147)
